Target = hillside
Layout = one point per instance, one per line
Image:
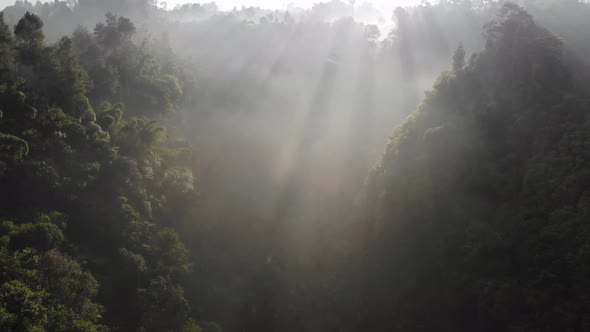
(478, 211)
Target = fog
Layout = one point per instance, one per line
(385, 5)
(300, 156)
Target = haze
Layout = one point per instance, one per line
(387, 5)
(282, 4)
(257, 166)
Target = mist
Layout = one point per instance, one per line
(294, 165)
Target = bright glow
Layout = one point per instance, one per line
(385, 5)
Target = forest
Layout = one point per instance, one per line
(335, 167)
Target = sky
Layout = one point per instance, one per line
(281, 4)
(384, 5)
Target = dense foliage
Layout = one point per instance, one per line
(85, 188)
(477, 212)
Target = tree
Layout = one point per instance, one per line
(459, 58)
(29, 38)
(114, 32)
(469, 183)
(171, 254)
(6, 47)
(372, 33)
(104, 174)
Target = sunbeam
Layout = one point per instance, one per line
(294, 165)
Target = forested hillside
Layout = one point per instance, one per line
(199, 169)
(477, 211)
(86, 190)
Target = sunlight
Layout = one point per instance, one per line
(386, 5)
(285, 165)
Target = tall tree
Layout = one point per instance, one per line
(7, 52)
(459, 58)
(29, 38)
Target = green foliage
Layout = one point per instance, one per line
(114, 31)
(24, 305)
(211, 327)
(166, 308)
(40, 236)
(120, 70)
(138, 137)
(98, 171)
(12, 148)
(474, 206)
(47, 292)
(72, 80)
(29, 38)
(172, 256)
(7, 48)
(191, 326)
